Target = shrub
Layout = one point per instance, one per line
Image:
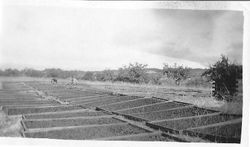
(134, 73)
(197, 82)
(106, 75)
(225, 75)
(11, 72)
(164, 80)
(88, 76)
(176, 72)
(53, 72)
(155, 78)
(99, 76)
(32, 72)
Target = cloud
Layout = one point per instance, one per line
(91, 39)
(235, 52)
(201, 36)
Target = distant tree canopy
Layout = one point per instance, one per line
(10, 72)
(225, 73)
(50, 72)
(32, 72)
(106, 75)
(53, 72)
(176, 72)
(155, 78)
(88, 76)
(134, 73)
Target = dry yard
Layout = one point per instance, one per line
(38, 109)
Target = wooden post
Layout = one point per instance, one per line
(212, 89)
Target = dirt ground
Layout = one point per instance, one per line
(10, 125)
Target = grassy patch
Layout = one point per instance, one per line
(10, 125)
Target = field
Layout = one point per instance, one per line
(80, 121)
(168, 114)
(130, 104)
(88, 132)
(154, 107)
(198, 96)
(229, 130)
(104, 101)
(196, 121)
(38, 109)
(67, 114)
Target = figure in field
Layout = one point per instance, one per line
(53, 81)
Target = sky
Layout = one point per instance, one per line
(75, 38)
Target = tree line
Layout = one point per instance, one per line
(132, 73)
(223, 72)
(50, 72)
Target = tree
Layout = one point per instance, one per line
(106, 75)
(53, 72)
(32, 72)
(1, 73)
(12, 72)
(134, 73)
(88, 76)
(176, 72)
(154, 78)
(225, 75)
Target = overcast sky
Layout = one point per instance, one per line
(96, 39)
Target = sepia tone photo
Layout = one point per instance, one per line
(114, 74)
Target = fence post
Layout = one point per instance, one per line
(213, 88)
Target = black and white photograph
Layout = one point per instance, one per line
(138, 72)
